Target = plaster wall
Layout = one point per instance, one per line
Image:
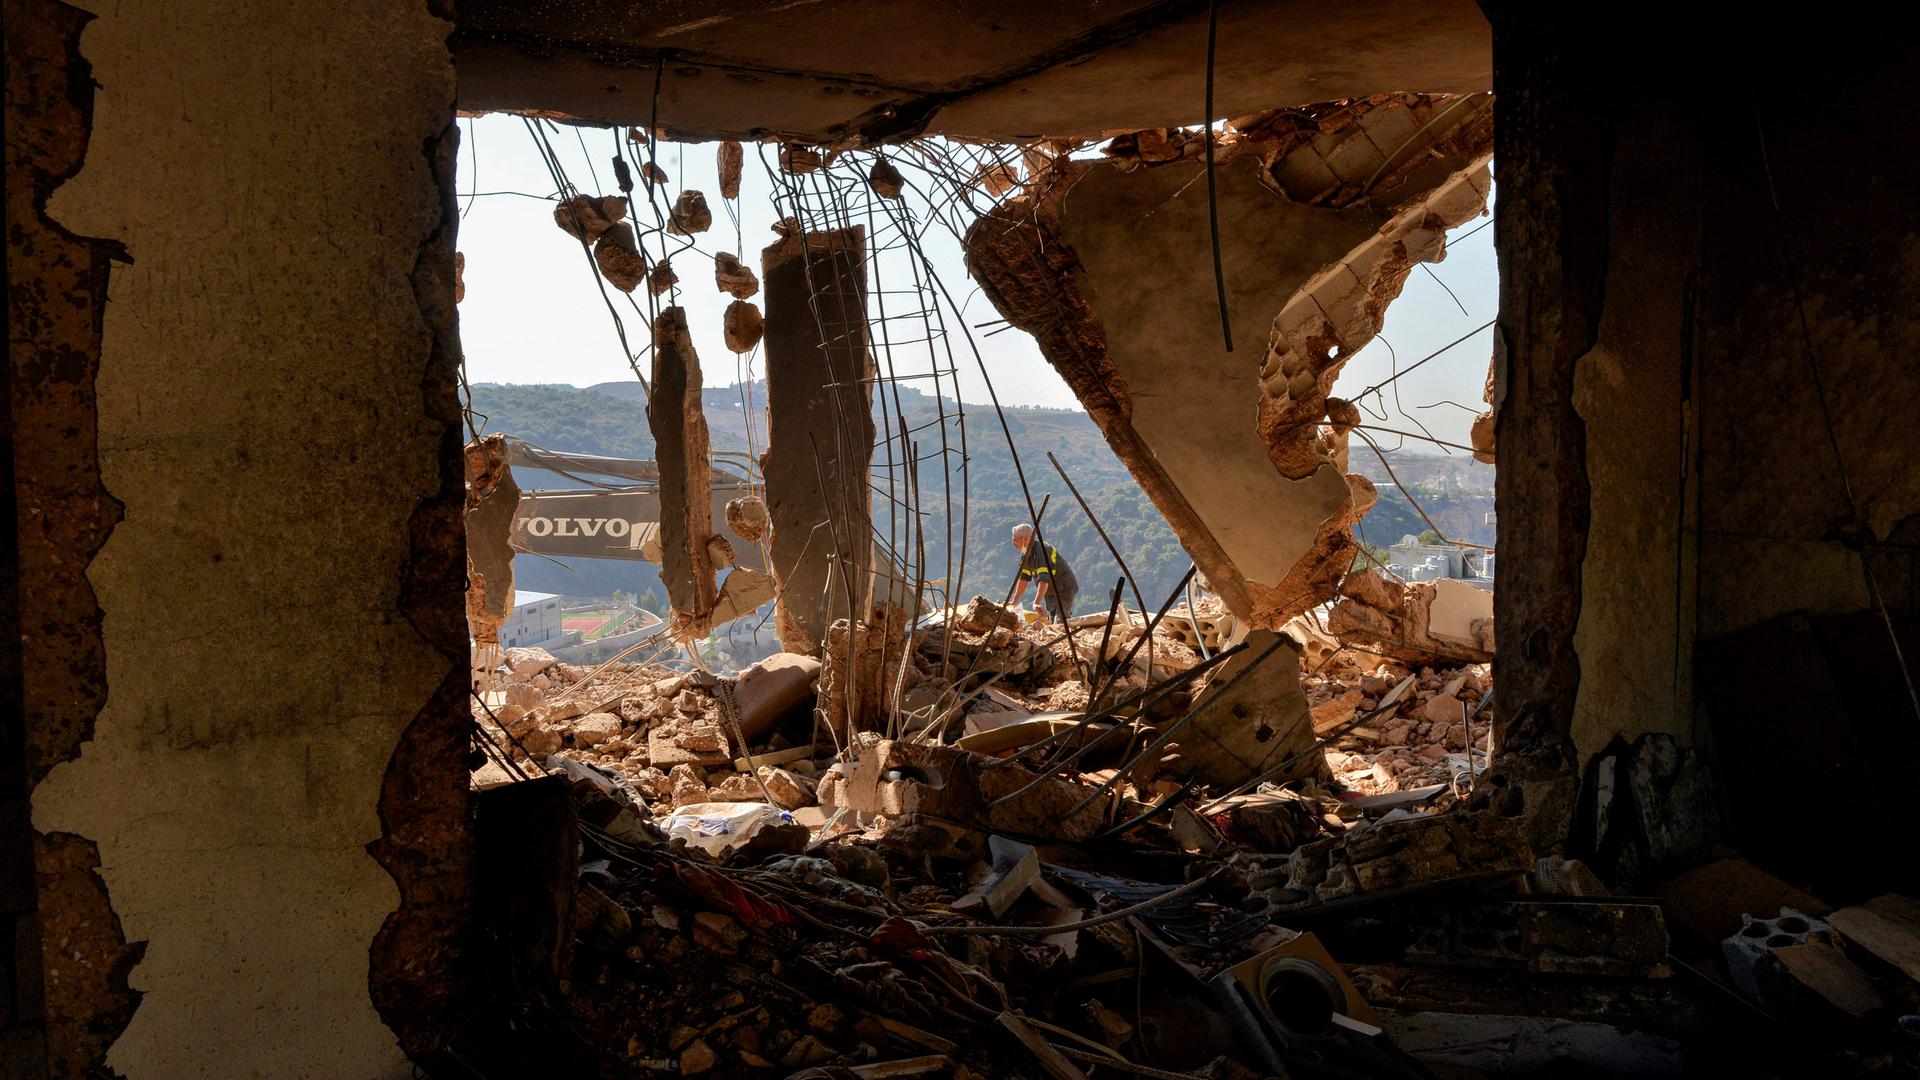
(270, 417)
(1632, 389)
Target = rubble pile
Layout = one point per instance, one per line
(984, 879)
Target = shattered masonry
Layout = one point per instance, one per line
(1314, 209)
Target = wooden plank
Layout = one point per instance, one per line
(1886, 926)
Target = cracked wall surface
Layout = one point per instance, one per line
(283, 634)
(1323, 213)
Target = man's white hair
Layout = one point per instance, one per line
(1022, 530)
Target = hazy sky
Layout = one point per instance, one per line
(533, 313)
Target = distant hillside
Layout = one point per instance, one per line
(610, 418)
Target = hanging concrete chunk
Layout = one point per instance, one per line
(619, 258)
(743, 326)
(662, 278)
(1323, 212)
(586, 217)
(747, 517)
(689, 214)
(820, 430)
(734, 277)
(686, 503)
(886, 180)
(655, 175)
(797, 159)
(730, 157)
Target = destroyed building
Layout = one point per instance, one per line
(1324, 825)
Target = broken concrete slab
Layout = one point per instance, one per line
(1426, 622)
(1247, 726)
(820, 432)
(679, 425)
(773, 689)
(1886, 926)
(1311, 259)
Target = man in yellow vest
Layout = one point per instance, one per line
(1054, 585)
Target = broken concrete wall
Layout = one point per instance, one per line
(820, 431)
(1109, 265)
(686, 499)
(275, 785)
(1666, 473)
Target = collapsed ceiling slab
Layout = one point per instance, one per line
(851, 72)
(1323, 212)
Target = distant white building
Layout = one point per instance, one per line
(535, 620)
(1415, 561)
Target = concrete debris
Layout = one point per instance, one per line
(892, 876)
(689, 214)
(654, 175)
(1315, 251)
(619, 258)
(886, 180)
(729, 158)
(1444, 621)
(1794, 962)
(798, 160)
(747, 516)
(586, 218)
(742, 326)
(733, 277)
(662, 277)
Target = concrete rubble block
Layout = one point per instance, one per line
(619, 258)
(820, 432)
(679, 426)
(855, 692)
(689, 214)
(588, 217)
(525, 663)
(743, 592)
(1391, 858)
(728, 159)
(1794, 962)
(1244, 728)
(789, 791)
(1426, 622)
(773, 689)
(595, 728)
(742, 326)
(1886, 926)
(897, 778)
(1310, 263)
(1550, 937)
(704, 745)
(733, 277)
